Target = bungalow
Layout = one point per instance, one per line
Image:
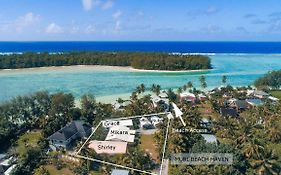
(210, 138)
(155, 120)
(10, 170)
(119, 172)
(238, 104)
(187, 96)
(7, 165)
(163, 94)
(202, 97)
(69, 133)
(260, 94)
(228, 112)
(274, 99)
(145, 123)
(120, 106)
(160, 102)
(205, 122)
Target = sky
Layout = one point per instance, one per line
(140, 20)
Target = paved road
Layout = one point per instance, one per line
(165, 170)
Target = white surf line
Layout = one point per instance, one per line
(164, 147)
(88, 138)
(113, 164)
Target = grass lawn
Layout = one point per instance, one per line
(148, 145)
(206, 111)
(276, 94)
(27, 140)
(54, 171)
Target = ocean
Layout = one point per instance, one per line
(159, 46)
(241, 62)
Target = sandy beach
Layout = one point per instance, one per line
(90, 68)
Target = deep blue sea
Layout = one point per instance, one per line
(190, 47)
(241, 62)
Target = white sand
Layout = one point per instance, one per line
(88, 68)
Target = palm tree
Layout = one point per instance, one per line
(142, 87)
(189, 85)
(184, 87)
(157, 89)
(202, 80)
(179, 90)
(154, 88)
(267, 164)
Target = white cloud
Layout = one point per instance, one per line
(107, 5)
(54, 28)
(117, 14)
(26, 20)
(89, 4)
(90, 29)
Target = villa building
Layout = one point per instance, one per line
(63, 138)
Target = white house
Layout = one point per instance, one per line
(155, 120)
(144, 121)
(210, 138)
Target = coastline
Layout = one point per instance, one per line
(91, 68)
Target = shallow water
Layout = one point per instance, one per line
(241, 69)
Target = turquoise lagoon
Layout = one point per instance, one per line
(241, 70)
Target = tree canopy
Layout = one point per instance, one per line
(138, 60)
(271, 79)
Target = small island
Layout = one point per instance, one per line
(136, 60)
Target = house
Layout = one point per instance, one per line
(226, 95)
(145, 123)
(228, 112)
(155, 120)
(119, 172)
(120, 106)
(160, 102)
(254, 102)
(187, 96)
(163, 94)
(202, 97)
(260, 94)
(10, 170)
(6, 165)
(274, 99)
(210, 138)
(238, 104)
(205, 123)
(68, 134)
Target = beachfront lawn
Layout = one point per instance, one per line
(54, 171)
(276, 93)
(27, 140)
(207, 111)
(148, 145)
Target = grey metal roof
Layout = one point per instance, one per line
(69, 130)
(228, 112)
(119, 172)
